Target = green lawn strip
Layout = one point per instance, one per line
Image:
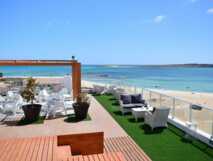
(162, 144)
(72, 119)
(40, 120)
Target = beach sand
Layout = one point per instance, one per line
(205, 99)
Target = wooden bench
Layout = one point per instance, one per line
(83, 144)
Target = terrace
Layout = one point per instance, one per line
(105, 135)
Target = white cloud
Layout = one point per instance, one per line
(159, 19)
(210, 11)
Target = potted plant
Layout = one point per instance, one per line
(81, 106)
(31, 110)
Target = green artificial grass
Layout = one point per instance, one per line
(166, 144)
(72, 118)
(40, 120)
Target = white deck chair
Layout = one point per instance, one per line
(98, 89)
(67, 81)
(158, 118)
(55, 108)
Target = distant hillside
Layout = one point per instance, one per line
(185, 65)
(160, 65)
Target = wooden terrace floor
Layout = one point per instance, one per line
(46, 149)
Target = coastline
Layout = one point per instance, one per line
(201, 98)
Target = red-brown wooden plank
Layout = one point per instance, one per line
(54, 148)
(27, 149)
(121, 156)
(108, 157)
(117, 147)
(50, 149)
(36, 149)
(86, 158)
(21, 150)
(140, 152)
(101, 157)
(31, 148)
(75, 158)
(7, 150)
(80, 158)
(45, 149)
(3, 146)
(16, 149)
(11, 151)
(126, 149)
(41, 147)
(115, 157)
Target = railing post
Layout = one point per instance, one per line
(190, 113)
(212, 130)
(150, 95)
(173, 109)
(160, 99)
(135, 90)
(142, 93)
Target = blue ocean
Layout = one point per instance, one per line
(171, 78)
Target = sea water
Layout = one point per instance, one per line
(171, 78)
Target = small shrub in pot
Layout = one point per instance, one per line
(31, 110)
(81, 106)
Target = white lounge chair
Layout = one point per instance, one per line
(117, 92)
(97, 89)
(158, 118)
(110, 89)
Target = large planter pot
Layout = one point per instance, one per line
(81, 110)
(31, 111)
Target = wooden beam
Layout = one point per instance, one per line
(37, 62)
(76, 79)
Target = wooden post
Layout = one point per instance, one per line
(76, 79)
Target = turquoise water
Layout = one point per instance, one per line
(172, 78)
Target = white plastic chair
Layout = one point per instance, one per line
(67, 81)
(10, 94)
(2, 99)
(158, 118)
(98, 89)
(55, 107)
(43, 96)
(9, 108)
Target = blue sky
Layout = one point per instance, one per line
(108, 31)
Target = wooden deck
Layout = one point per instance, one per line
(28, 149)
(47, 149)
(113, 156)
(125, 145)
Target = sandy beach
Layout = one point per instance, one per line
(201, 98)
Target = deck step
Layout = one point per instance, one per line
(110, 156)
(63, 152)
